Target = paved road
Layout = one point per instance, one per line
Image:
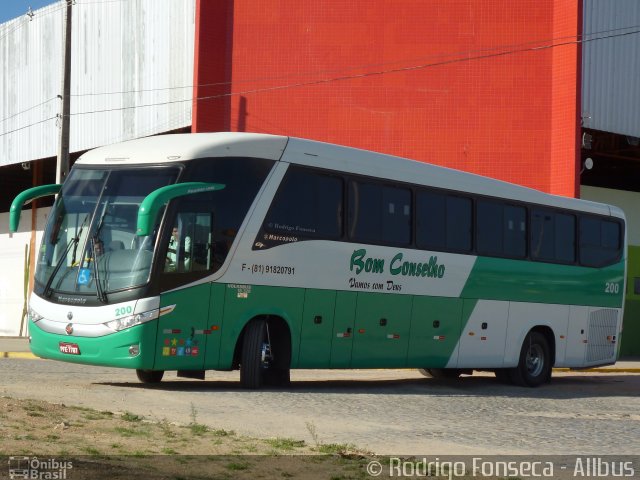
(385, 411)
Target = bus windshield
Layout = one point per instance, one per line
(90, 244)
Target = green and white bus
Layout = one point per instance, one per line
(265, 253)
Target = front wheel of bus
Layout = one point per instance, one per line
(150, 376)
(534, 366)
(256, 355)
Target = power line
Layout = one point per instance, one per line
(27, 110)
(511, 49)
(570, 40)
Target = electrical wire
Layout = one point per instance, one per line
(472, 55)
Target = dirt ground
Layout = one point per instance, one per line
(122, 445)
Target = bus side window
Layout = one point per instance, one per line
(308, 205)
(443, 222)
(600, 241)
(190, 247)
(379, 213)
(553, 236)
(501, 229)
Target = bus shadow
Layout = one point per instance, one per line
(565, 387)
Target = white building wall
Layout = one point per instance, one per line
(611, 66)
(12, 269)
(132, 75)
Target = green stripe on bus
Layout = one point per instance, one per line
(537, 282)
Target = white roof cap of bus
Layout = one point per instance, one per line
(186, 146)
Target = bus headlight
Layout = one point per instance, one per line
(132, 320)
(34, 316)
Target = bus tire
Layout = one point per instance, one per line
(150, 376)
(252, 366)
(534, 365)
(278, 377)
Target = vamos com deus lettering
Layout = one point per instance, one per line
(360, 262)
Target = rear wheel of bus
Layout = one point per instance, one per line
(534, 365)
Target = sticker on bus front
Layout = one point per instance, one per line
(69, 348)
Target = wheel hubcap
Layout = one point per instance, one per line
(265, 355)
(535, 360)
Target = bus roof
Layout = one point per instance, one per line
(186, 146)
(181, 147)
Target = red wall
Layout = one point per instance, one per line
(461, 83)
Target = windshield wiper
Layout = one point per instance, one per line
(101, 294)
(74, 241)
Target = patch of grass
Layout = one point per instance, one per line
(32, 407)
(198, 428)
(169, 451)
(311, 428)
(334, 448)
(285, 443)
(237, 466)
(220, 432)
(195, 427)
(92, 415)
(131, 417)
(131, 432)
(166, 428)
(91, 451)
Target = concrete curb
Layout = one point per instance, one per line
(599, 370)
(31, 356)
(27, 355)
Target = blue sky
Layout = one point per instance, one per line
(10, 9)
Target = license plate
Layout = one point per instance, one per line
(69, 348)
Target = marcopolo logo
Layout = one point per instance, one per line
(360, 262)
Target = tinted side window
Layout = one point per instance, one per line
(203, 226)
(600, 241)
(308, 204)
(379, 213)
(443, 221)
(501, 229)
(553, 236)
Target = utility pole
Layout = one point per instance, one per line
(62, 166)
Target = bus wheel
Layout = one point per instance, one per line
(534, 366)
(256, 355)
(150, 376)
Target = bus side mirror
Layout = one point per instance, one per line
(25, 197)
(152, 203)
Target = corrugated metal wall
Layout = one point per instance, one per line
(132, 74)
(611, 66)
